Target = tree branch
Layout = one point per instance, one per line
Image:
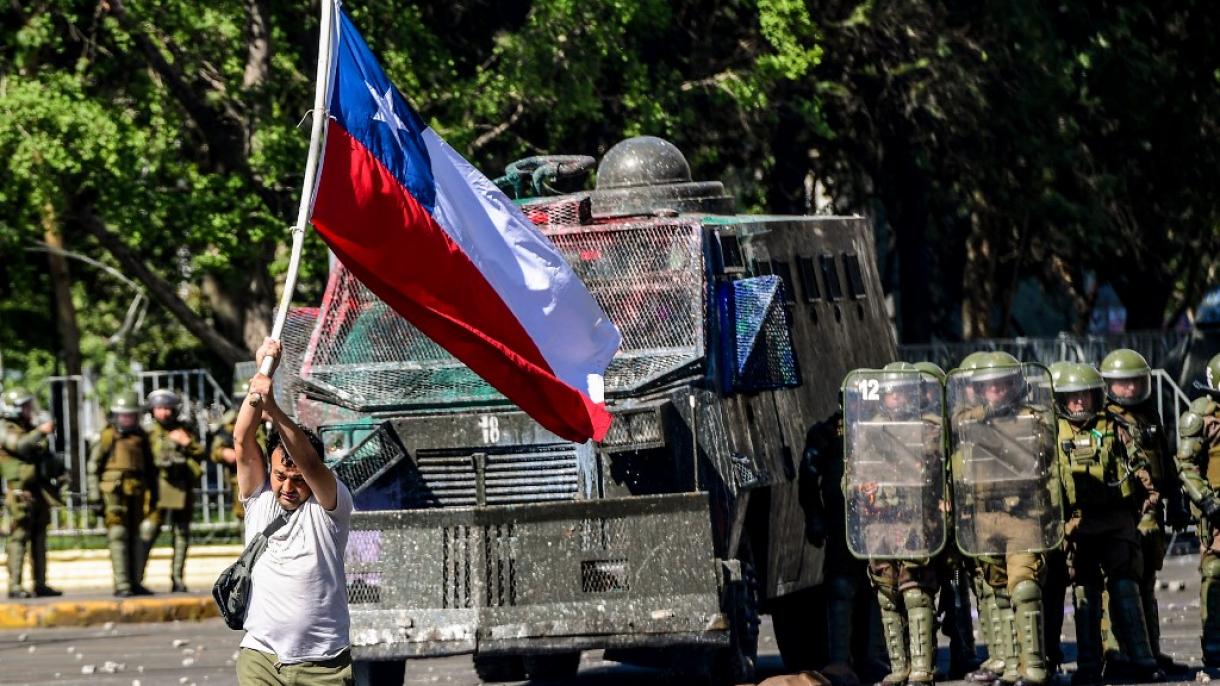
(159, 289)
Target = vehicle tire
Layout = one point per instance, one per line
(798, 620)
(379, 672)
(493, 669)
(554, 666)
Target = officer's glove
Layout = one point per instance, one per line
(1210, 506)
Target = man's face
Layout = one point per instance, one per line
(126, 420)
(1127, 389)
(997, 391)
(163, 414)
(1079, 401)
(896, 400)
(287, 482)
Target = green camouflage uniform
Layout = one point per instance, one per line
(26, 462)
(122, 478)
(1108, 478)
(179, 470)
(1198, 462)
(222, 440)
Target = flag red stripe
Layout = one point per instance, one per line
(396, 248)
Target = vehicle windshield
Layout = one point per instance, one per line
(647, 276)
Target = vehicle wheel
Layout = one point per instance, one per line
(496, 668)
(736, 663)
(553, 666)
(799, 623)
(379, 672)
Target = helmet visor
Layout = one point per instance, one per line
(1129, 390)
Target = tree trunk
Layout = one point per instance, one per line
(977, 287)
(61, 284)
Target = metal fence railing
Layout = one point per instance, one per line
(1158, 347)
(80, 414)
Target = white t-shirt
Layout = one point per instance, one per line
(298, 597)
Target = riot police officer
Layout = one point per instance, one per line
(952, 568)
(1128, 380)
(894, 487)
(1005, 497)
(1198, 462)
(1055, 588)
(31, 470)
(121, 477)
(1106, 481)
(177, 454)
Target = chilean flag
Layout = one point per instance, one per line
(441, 245)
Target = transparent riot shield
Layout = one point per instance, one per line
(1005, 479)
(894, 470)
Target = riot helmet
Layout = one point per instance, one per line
(1078, 392)
(998, 382)
(973, 360)
(1128, 378)
(163, 403)
(17, 403)
(899, 390)
(125, 409)
(932, 392)
(931, 368)
(1213, 373)
(1057, 369)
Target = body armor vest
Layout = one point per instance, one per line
(126, 452)
(1096, 463)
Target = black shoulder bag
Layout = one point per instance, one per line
(232, 589)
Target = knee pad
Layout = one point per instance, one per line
(1211, 567)
(1026, 591)
(148, 530)
(916, 598)
(116, 534)
(19, 534)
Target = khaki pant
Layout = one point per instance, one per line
(256, 668)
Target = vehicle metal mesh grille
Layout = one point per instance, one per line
(647, 276)
(451, 478)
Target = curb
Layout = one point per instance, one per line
(91, 612)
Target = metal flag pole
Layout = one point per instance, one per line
(310, 183)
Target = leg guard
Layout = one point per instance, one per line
(1087, 600)
(895, 627)
(120, 558)
(1027, 607)
(921, 627)
(1210, 604)
(1127, 623)
(182, 540)
(1006, 636)
(16, 558)
(148, 535)
(988, 623)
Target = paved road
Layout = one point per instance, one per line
(182, 653)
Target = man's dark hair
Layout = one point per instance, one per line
(274, 440)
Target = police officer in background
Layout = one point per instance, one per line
(1198, 462)
(1128, 380)
(31, 471)
(1108, 486)
(177, 454)
(1006, 500)
(121, 476)
(894, 486)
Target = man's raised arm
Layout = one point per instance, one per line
(251, 463)
(320, 479)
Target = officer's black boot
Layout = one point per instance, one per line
(1127, 623)
(1087, 600)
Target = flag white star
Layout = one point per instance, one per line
(385, 111)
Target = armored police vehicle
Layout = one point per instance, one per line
(480, 532)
